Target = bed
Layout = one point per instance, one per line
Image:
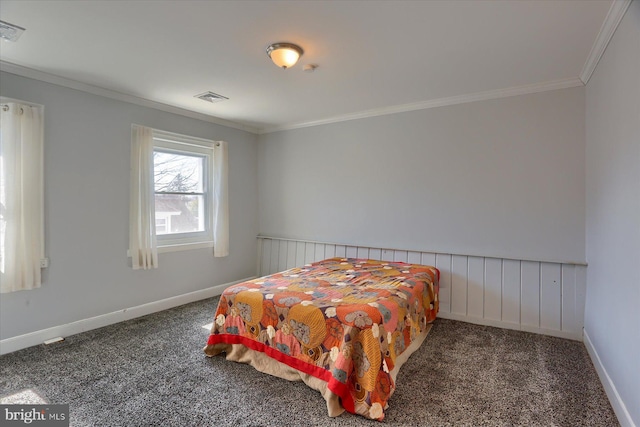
(344, 326)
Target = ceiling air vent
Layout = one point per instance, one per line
(211, 97)
(10, 32)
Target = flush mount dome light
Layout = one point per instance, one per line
(284, 55)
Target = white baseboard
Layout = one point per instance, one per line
(609, 387)
(509, 325)
(19, 342)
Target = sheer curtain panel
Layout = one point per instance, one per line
(142, 233)
(220, 200)
(21, 197)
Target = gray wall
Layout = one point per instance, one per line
(612, 317)
(500, 178)
(87, 150)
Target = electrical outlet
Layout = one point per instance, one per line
(44, 262)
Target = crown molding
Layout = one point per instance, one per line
(614, 16)
(31, 73)
(441, 102)
(434, 103)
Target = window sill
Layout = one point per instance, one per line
(184, 247)
(180, 247)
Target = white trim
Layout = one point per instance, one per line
(183, 247)
(614, 16)
(178, 138)
(576, 336)
(609, 387)
(179, 248)
(441, 102)
(19, 342)
(31, 73)
(554, 261)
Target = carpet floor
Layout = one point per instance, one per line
(151, 371)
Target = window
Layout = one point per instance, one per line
(178, 195)
(182, 173)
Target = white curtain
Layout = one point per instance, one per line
(220, 200)
(142, 214)
(21, 197)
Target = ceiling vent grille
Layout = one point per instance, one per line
(10, 32)
(211, 97)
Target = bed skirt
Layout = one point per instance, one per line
(263, 363)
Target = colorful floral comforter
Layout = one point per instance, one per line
(349, 322)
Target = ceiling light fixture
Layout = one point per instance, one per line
(284, 55)
(10, 32)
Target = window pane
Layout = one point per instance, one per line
(177, 172)
(179, 213)
(161, 225)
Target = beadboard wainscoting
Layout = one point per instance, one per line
(535, 296)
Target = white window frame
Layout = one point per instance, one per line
(188, 145)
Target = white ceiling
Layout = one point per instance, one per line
(372, 56)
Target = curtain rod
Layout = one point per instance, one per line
(5, 107)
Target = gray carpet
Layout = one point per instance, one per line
(151, 372)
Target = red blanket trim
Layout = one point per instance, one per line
(340, 389)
